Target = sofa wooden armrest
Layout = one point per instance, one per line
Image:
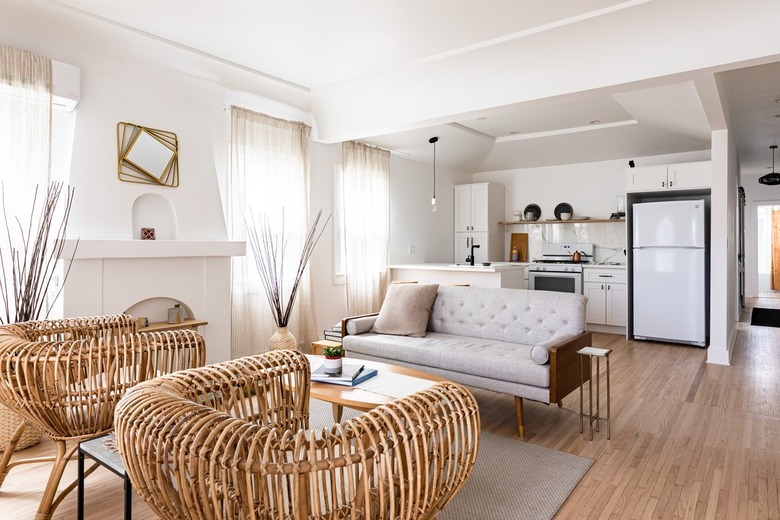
(565, 367)
(349, 318)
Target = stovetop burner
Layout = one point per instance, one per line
(562, 255)
(553, 261)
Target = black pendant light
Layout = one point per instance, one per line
(433, 140)
(771, 179)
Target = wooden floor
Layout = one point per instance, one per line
(689, 440)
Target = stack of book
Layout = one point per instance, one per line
(333, 333)
(351, 374)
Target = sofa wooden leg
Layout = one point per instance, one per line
(519, 414)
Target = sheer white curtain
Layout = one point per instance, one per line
(366, 173)
(25, 127)
(269, 178)
(25, 151)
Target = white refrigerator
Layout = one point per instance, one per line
(669, 266)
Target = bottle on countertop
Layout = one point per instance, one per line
(515, 255)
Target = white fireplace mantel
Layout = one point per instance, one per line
(96, 248)
(113, 276)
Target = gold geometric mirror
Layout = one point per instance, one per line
(147, 155)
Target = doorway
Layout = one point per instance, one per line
(768, 249)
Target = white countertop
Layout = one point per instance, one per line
(495, 267)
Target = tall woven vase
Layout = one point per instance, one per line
(282, 339)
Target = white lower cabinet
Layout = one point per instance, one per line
(463, 243)
(606, 290)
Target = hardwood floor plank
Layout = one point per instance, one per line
(689, 440)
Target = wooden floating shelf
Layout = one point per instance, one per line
(572, 221)
(160, 326)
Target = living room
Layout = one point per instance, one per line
(130, 74)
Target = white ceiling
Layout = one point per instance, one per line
(310, 45)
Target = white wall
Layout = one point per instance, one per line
(411, 222)
(723, 249)
(590, 188)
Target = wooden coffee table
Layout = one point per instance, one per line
(390, 383)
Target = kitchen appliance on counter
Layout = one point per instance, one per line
(669, 271)
(559, 268)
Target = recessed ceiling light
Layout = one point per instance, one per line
(595, 122)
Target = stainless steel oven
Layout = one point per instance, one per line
(559, 268)
(570, 282)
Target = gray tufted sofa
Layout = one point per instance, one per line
(522, 343)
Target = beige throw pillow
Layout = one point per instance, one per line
(406, 309)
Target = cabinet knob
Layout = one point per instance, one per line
(670, 184)
(663, 184)
(602, 286)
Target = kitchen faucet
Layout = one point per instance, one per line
(470, 258)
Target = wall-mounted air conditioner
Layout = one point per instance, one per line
(66, 86)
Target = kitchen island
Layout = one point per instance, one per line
(511, 275)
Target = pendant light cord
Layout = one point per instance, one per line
(434, 167)
(433, 140)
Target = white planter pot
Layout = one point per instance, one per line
(333, 365)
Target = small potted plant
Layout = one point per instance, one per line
(333, 359)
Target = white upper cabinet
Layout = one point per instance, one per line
(479, 209)
(463, 208)
(472, 207)
(683, 176)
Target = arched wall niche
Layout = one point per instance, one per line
(155, 309)
(152, 210)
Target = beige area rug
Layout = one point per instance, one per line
(511, 479)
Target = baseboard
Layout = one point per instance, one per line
(609, 329)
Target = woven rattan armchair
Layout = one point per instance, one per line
(231, 440)
(65, 378)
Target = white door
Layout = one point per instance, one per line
(669, 294)
(479, 207)
(616, 304)
(595, 311)
(462, 208)
(669, 224)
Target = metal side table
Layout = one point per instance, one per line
(598, 353)
(96, 450)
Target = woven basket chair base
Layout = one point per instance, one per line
(9, 422)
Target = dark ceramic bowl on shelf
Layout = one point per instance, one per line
(563, 207)
(533, 210)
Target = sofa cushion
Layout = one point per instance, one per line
(491, 359)
(510, 315)
(406, 310)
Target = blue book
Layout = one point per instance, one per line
(351, 375)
